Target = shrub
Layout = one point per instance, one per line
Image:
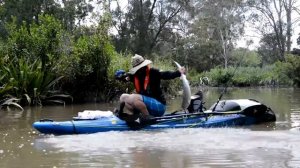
(87, 67)
(250, 76)
(220, 76)
(29, 58)
(40, 41)
(28, 82)
(288, 72)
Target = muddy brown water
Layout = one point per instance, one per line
(264, 145)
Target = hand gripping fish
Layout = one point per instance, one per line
(186, 96)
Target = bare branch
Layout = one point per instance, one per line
(151, 12)
(162, 25)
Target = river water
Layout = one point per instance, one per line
(264, 145)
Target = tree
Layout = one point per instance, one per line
(27, 11)
(269, 49)
(274, 16)
(289, 6)
(296, 51)
(73, 13)
(70, 12)
(145, 24)
(219, 23)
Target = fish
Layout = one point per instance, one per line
(186, 96)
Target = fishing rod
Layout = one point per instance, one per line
(226, 85)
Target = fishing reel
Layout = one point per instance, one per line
(121, 75)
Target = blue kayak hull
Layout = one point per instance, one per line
(225, 113)
(115, 124)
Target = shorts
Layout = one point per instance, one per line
(154, 107)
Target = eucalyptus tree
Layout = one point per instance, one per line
(275, 16)
(288, 6)
(218, 25)
(143, 26)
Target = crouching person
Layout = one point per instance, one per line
(149, 100)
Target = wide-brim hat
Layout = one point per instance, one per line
(138, 62)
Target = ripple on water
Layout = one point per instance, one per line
(295, 117)
(210, 147)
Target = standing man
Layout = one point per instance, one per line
(149, 99)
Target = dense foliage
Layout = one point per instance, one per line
(29, 59)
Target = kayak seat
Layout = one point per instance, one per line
(196, 104)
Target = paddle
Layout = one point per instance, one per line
(205, 113)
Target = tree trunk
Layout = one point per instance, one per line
(288, 9)
(224, 46)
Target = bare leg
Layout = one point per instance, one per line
(136, 108)
(134, 102)
(125, 115)
(124, 99)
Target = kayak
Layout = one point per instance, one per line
(226, 113)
